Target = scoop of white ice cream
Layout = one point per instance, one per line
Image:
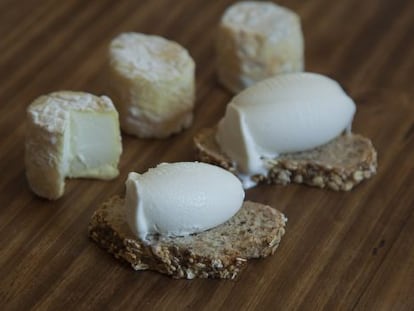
(182, 198)
(286, 113)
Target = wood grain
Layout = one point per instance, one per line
(342, 251)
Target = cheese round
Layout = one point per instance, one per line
(70, 134)
(177, 199)
(257, 40)
(287, 113)
(151, 81)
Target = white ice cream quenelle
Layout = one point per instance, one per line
(287, 113)
(177, 199)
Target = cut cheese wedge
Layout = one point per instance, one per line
(70, 134)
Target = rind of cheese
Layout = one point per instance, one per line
(55, 146)
(257, 40)
(151, 80)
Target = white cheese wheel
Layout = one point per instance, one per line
(151, 81)
(70, 134)
(257, 40)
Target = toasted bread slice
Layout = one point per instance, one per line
(254, 232)
(338, 165)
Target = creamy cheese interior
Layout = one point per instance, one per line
(70, 134)
(91, 144)
(179, 199)
(287, 113)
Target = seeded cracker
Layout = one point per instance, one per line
(222, 252)
(338, 165)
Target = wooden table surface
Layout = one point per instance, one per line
(341, 251)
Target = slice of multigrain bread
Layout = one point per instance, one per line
(338, 165)
(222, 252)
